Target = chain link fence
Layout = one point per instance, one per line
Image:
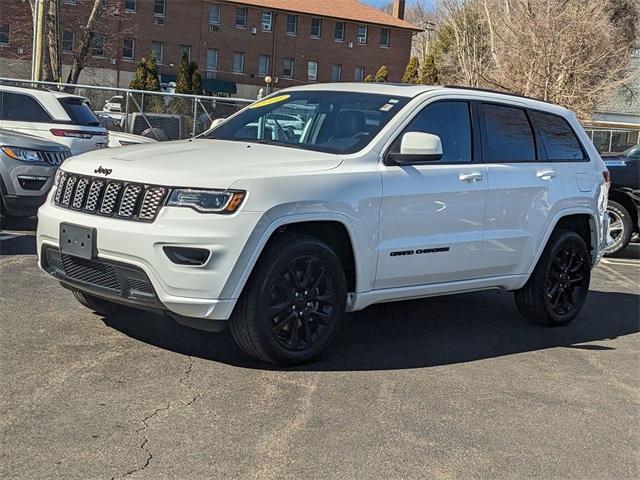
(158, 115)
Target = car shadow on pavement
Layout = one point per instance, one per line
(419, 333)
(17, 236)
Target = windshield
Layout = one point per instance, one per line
(632, 153)
(79, 112)
(333, 122)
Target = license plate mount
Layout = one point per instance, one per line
(78, 241)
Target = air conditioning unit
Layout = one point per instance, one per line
(159, 20)
(254, 30)
(212, 75)
(313, 78)
(361, 40)
(350, 44)
(214, 28)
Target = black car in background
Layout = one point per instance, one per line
(624, 198)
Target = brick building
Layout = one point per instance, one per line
(237, 43)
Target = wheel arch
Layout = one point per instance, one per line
(334, 229)
(581, 221)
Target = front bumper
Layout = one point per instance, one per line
(185, 291)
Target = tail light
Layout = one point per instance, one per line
(60, 132)
(607, 177)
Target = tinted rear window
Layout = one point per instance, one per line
(79, 112)
(559, 140)
(22, 108)
(509, 137)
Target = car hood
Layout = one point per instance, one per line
(199, 163)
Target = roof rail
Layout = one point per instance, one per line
(26, 85)
(489, 90)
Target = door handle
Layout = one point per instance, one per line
(470, 177)
(546, 175)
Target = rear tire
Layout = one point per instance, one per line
(558, 286)
(620, 228)
(98, 305)
(293, 304)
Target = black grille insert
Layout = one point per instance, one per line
(112, 198)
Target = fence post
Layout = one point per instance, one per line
(195, 118)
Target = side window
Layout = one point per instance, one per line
(451, 121)
(508, 134)
(559, 140)
(22, 108)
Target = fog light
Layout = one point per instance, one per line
(187, 255)
(32, 182)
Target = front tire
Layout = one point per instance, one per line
(558, 286)
(620, 228)
(293, 304)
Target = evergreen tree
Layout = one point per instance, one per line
(183, 80)
(429, 72)
(382, 75)
(196, 80)
(139, 81)
(412, 72)
(368, 78)
(153, 82)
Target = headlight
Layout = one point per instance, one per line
(207, 201)
(22, 154)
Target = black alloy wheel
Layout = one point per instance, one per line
(566, 280)
(302, 306)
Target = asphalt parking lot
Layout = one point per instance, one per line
(443, 388)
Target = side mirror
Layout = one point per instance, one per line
(216, 122)
(417, 148)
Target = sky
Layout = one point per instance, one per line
(377, 3)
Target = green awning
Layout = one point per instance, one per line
(208, 84)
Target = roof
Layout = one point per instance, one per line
(408, 90)
(351, 10)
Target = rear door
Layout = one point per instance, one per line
(524, 188)
(432, 215)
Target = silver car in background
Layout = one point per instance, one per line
(28, 165)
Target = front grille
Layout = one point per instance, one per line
(55, 158)
(113, 198)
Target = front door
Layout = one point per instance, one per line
(432, 215)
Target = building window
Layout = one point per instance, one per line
(339, 33)
(238, 62)
(312, 70)
(267, 18)
(160, 8)
(5, 34)
(68, 41)
(128, 48)
(241, 17)
(635, 52)
(97, 44)
(131, 5)
(212, 59)
(362, 34)
(292, 24)
(316, 27)
(358, 74)
(287, 67)
(158, 48)
(71, 2)
(385, 37)
(185, 49)
(264, 63)
(336, 72)
(214, 14)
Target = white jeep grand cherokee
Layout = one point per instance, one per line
(378, 193)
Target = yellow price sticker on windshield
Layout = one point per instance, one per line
(270, 101)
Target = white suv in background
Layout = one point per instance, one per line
(61, 117)
(385, 193)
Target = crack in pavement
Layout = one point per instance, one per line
(147, 419)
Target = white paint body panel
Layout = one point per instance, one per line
(495, 228)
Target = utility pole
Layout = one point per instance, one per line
(38, 37)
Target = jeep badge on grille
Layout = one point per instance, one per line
(104, 171)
